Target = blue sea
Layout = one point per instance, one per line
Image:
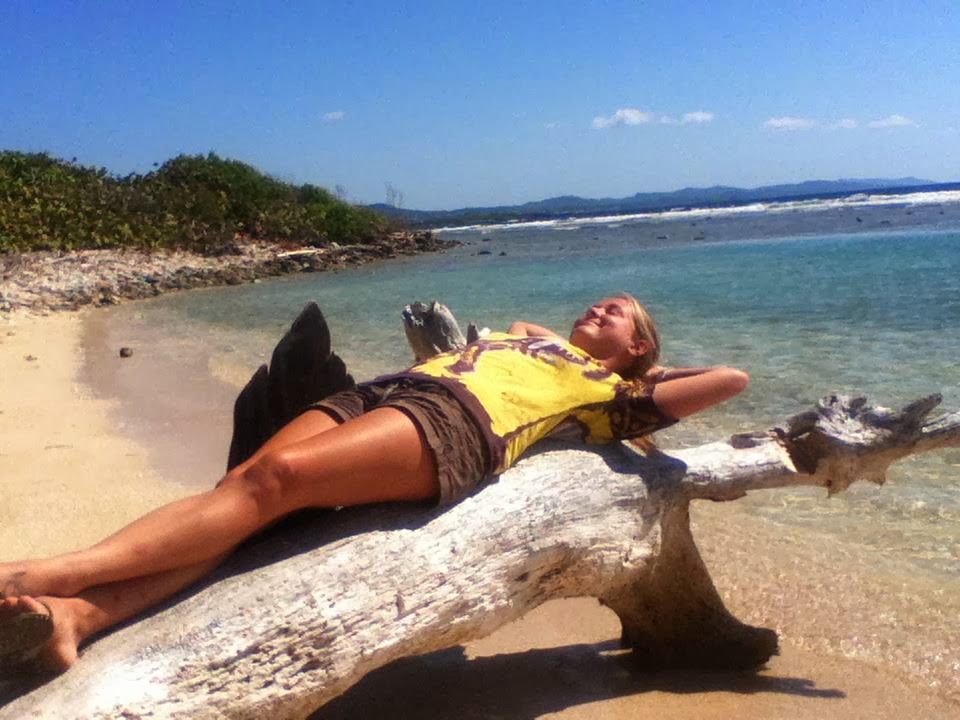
(810, 299)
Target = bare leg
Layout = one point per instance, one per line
(94, 610)
(376, 457)
(306, 425)
(14, 580)
(103, 606)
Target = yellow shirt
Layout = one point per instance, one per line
(521, 389)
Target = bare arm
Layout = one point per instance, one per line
(530, 330)
(680, 392)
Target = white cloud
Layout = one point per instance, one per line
(635, 116)
(698, 116)
(552, 125)
(891, 121)
(623, 116)
(790, 123)
(335, 115)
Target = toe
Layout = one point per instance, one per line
(32, 605)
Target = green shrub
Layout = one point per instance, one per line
(191, 201)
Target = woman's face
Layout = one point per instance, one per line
(606, 331)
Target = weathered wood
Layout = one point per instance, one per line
(278, 640)
(431, 329)
(305, 611)
(303, 253)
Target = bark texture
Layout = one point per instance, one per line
(433, 329)
(303, 613)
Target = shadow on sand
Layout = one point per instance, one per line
(527, 685)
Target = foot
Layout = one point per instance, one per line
(59, 651)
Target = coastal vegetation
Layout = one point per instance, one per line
(194, 202)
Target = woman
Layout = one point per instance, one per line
(430, 433)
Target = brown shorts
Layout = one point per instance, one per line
(451, 434)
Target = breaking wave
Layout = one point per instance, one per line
(773, 207)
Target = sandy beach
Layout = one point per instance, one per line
(80, 456)
(67, 475)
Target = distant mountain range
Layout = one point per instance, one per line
(716, 196)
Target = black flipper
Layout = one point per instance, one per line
(252, 424)
(302, 371)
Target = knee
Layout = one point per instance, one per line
(265, 482)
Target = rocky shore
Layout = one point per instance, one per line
(41, 282)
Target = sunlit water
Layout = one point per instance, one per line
(875, 313)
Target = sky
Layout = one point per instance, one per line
(446, 104)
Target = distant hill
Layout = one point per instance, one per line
(716, 196)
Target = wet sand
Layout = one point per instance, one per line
(76, 463)
(165, 398)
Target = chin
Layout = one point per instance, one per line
(585, 343)
(578, 335)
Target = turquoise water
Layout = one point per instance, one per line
(871, 313)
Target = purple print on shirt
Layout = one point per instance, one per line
(544, 349)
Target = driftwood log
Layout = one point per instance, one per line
(301, 614)
(432, 329)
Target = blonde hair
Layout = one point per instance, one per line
(646, 330)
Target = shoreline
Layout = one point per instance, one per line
(163, 399)
(559, 661)
(48, 281)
